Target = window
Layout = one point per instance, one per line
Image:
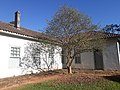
(15, 52)
(51, 52)
(78, 59)
(51, 57)
(63, 62)
(14, 60)
(36, 58)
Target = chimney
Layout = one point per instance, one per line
(17, 20)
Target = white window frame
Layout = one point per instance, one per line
(14, 60)
(15, 52)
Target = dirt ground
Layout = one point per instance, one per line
(79, 76)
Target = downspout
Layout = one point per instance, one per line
(118, 49)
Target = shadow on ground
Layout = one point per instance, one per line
(115, 78)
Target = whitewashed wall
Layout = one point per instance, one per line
(111, 56)
(87, 61)
(6, 41)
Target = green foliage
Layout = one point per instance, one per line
(112, 28)
(94, 86)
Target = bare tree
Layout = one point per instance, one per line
(72, 28)
(39, 57)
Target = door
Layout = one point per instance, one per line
(98, 58)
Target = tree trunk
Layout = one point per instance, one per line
(69, 60)
(69, 70)
(69, 63)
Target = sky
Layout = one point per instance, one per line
(35, 13)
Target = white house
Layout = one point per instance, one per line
(23, 51)
(17, 50)
(106, 58)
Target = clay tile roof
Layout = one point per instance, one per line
(111, 35)
(23, 31)
(99, 34)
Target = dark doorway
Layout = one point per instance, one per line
(98, 58)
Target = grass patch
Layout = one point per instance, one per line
(60, 80)
(50, 85)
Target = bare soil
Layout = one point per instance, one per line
(78, 76)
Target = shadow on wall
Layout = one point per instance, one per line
(39, 57)
(115, 78)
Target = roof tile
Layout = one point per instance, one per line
(23, 31)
